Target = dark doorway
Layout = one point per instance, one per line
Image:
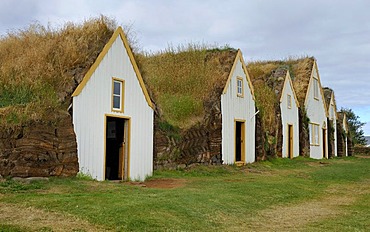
(239, 142)
(324, 143)
(290, 141)
(115, 148)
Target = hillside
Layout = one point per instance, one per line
(41, 66)
(182, 80)
(268, 78)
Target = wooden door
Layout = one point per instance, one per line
(290, 141)
(121, 168)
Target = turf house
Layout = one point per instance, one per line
(332, 121)
(41, 68)
(278, 118)
(316, 110)
(113, 98)
(205, 106)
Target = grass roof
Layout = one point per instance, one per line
(299, 69)
(327, 95)
(182, 79)
(268, 79)
(41, 66)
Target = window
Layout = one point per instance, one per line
(289, 99)
(117, 95)
(316, 88)
(314, 134)
(239, 87)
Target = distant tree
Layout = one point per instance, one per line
(355, 127)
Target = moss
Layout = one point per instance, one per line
(170, 130)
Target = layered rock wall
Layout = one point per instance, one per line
(39, 149)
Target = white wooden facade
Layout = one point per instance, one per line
(290, 119)
(317, 113)
(332, 112)
(93, 105)
(238, 108)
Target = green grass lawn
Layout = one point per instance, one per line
(280, 194)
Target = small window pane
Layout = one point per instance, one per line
(117, 88)
(240, 87)
(289, 101)
(116, 102)
(316, 88)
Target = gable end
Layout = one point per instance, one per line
(239, 57)
(119, 32)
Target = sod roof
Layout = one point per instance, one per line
(327, 95)
(300, 71)
(41, 66)
(268, 81)
(181, 80)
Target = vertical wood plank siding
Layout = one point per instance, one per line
(289, 116)
(333, 117)
(316, 112)
(241, 108)
(94, 102)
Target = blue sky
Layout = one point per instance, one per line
(337, 32)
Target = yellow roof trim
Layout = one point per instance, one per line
(118, 32)
(239, 57)
(288, 78)
(321, 91)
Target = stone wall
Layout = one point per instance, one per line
(269, 143)
(39, 149)
(331, 148)
(260, 139)
(341, 144)
(361, 150)
(304, 134)
(201, 144)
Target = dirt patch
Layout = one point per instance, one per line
(319, 164)
(36, 219)
(165, 183)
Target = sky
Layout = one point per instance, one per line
(335, 32)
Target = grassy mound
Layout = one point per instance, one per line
(182, 78)
(268, 85)
(41, 66)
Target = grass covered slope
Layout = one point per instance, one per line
(181, 79)
(299, 69)
(268, 79)
(274, 195)
(41, 66)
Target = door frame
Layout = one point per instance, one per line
(243, 144)
(290, 141)
(127, 141)
(324, 143)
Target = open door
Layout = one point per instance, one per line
(116, 148)
(290, 141)
(324, 143)
(240, 142)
